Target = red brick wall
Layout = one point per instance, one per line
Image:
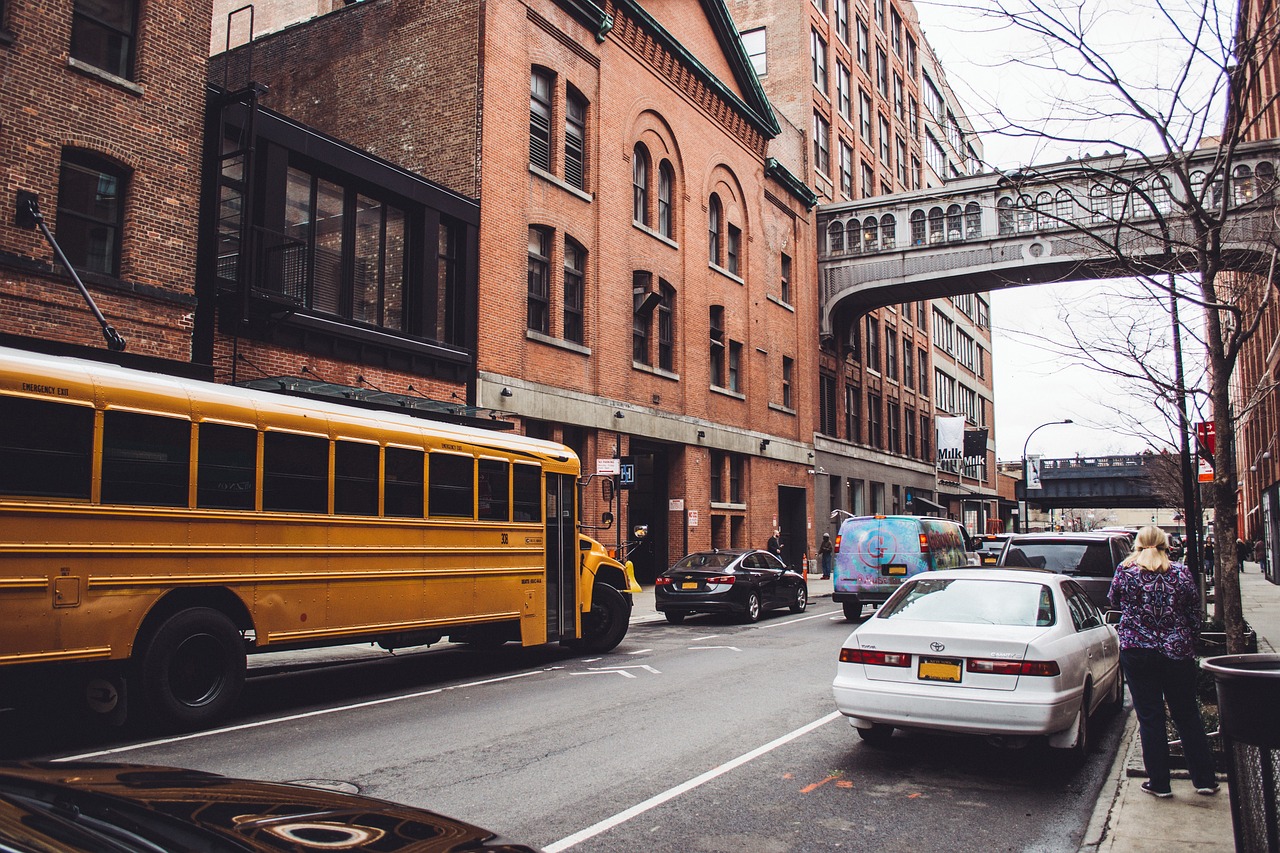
(154, 126)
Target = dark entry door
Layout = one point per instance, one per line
(648, 505)
(793, 522)
(562, 557)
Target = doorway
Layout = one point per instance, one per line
(648, 505)
(793, 521)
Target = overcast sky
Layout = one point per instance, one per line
(1032, 386)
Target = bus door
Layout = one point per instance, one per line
(562, 557)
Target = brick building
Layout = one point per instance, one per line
(645, 285)
(102, 126)
(862, 82)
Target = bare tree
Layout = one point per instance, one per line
(1161, 116)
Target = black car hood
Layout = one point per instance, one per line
(57, 806)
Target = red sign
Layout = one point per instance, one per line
(1205, 436)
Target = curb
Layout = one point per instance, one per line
(1095, 834)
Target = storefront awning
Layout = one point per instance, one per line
(924, 506)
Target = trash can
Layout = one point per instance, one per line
(1248, 699)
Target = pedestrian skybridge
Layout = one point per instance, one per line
(1064, 222)
(1106, 482)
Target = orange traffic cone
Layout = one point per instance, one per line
(804, 566)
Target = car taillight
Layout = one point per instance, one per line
(1013, 667)
(874, 658)
(729, 579)
(662, 581)
(924, 544)
(838, 538)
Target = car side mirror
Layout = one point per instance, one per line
(1112, 617)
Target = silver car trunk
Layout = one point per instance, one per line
(940, 651)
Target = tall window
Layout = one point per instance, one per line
(784, 282)
(575, 141)
(733, 249)
(853, 413)
(827, 404)
(640, 185)
(103, 33)
(821, 153)
(864, 116)
(644, 302)
(735, 367)
(666, 326)
(714, 215)
(753, 41)
(818, 57)
(882, 73)
(844, 97)
(91, 211)
(540, 86)
(842, 20)
(890, 353)
(717, 353)
(539, 300)
(666, 180)
(893, 420)
(378, 280)
(846, 169)
(895, 31)
(875, 424)
(574, 265)
(788, 368)
(908, 362)
(873, 343)
(864, 56)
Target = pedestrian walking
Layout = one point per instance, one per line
(826, 554)
(1160, 616)
(1243, 552)
(774, 545)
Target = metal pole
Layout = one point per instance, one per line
(1022, 521)
(1188, 478)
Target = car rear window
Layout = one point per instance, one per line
(706, 561)
(1087, 559)
(988, 602)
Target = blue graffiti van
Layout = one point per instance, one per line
(874, 554)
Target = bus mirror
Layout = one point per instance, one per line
(606, 489)
(606, 520)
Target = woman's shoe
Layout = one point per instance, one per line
(1164, 795)
(1209, 791)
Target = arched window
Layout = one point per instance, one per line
(1063, 207)
(870, 235)
(575, 140)
(640, 185)
(835, 237)
(888, 231)
(1044, 211)
(1004, 216)
(1161, 200)
(1265, 179)
(575, 264)
(917, 227)
(666, 326)
(1119, 200)
(972, 220)
(936, 232)
(853, 235)
(1026, 214)
(539, 296)
(1099, 204)
(666, 180)
(540, 87)
(1242, 187)
(714, 215)
(955, 223)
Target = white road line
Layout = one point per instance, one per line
(683, 788)
(695, 648)
(319, 713)
(791, 621)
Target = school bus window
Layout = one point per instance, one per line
(450, 486)
(494, 481)
(225, 467)
(526, 492)
(402, 483)
(46, 448)
(295, 473)
(355, 478)
(145, 459)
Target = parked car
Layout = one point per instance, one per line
(1090, 558)
(1011, 654)
(82, 807)
(874, 554)
(989, 546)
(744, 582)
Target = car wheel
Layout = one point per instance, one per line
(1115, 701)
(853, 610)
(1080, 751)
(801, 600)
(752, 613)
(673, 617)
(877, 734)
(193, 668)
(604, 626)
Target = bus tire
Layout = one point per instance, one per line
(193, 668)
(606, 623)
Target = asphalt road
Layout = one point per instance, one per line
(707, 736)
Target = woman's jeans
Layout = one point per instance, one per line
(1153, 681)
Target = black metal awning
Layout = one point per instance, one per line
(370, 398)
(919, 503)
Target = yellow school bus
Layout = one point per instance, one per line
(155, 530)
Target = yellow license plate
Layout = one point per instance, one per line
(897, 570)
(689, 585)
(989, 561)
(939, 669)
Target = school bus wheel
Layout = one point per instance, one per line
(605, 624)
(193, 668)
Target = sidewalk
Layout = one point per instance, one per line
(1126, 820)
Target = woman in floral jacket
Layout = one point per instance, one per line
(1160, 616)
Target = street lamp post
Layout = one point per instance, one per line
(1022, 510)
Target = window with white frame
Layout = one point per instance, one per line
(754, 43)
(818, 57)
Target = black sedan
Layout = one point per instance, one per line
(737, 581)
(122, 807)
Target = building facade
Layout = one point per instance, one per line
(645, 287)
(102, 130)
(880, 118)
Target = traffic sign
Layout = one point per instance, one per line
(608, 467)
(626, 472)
